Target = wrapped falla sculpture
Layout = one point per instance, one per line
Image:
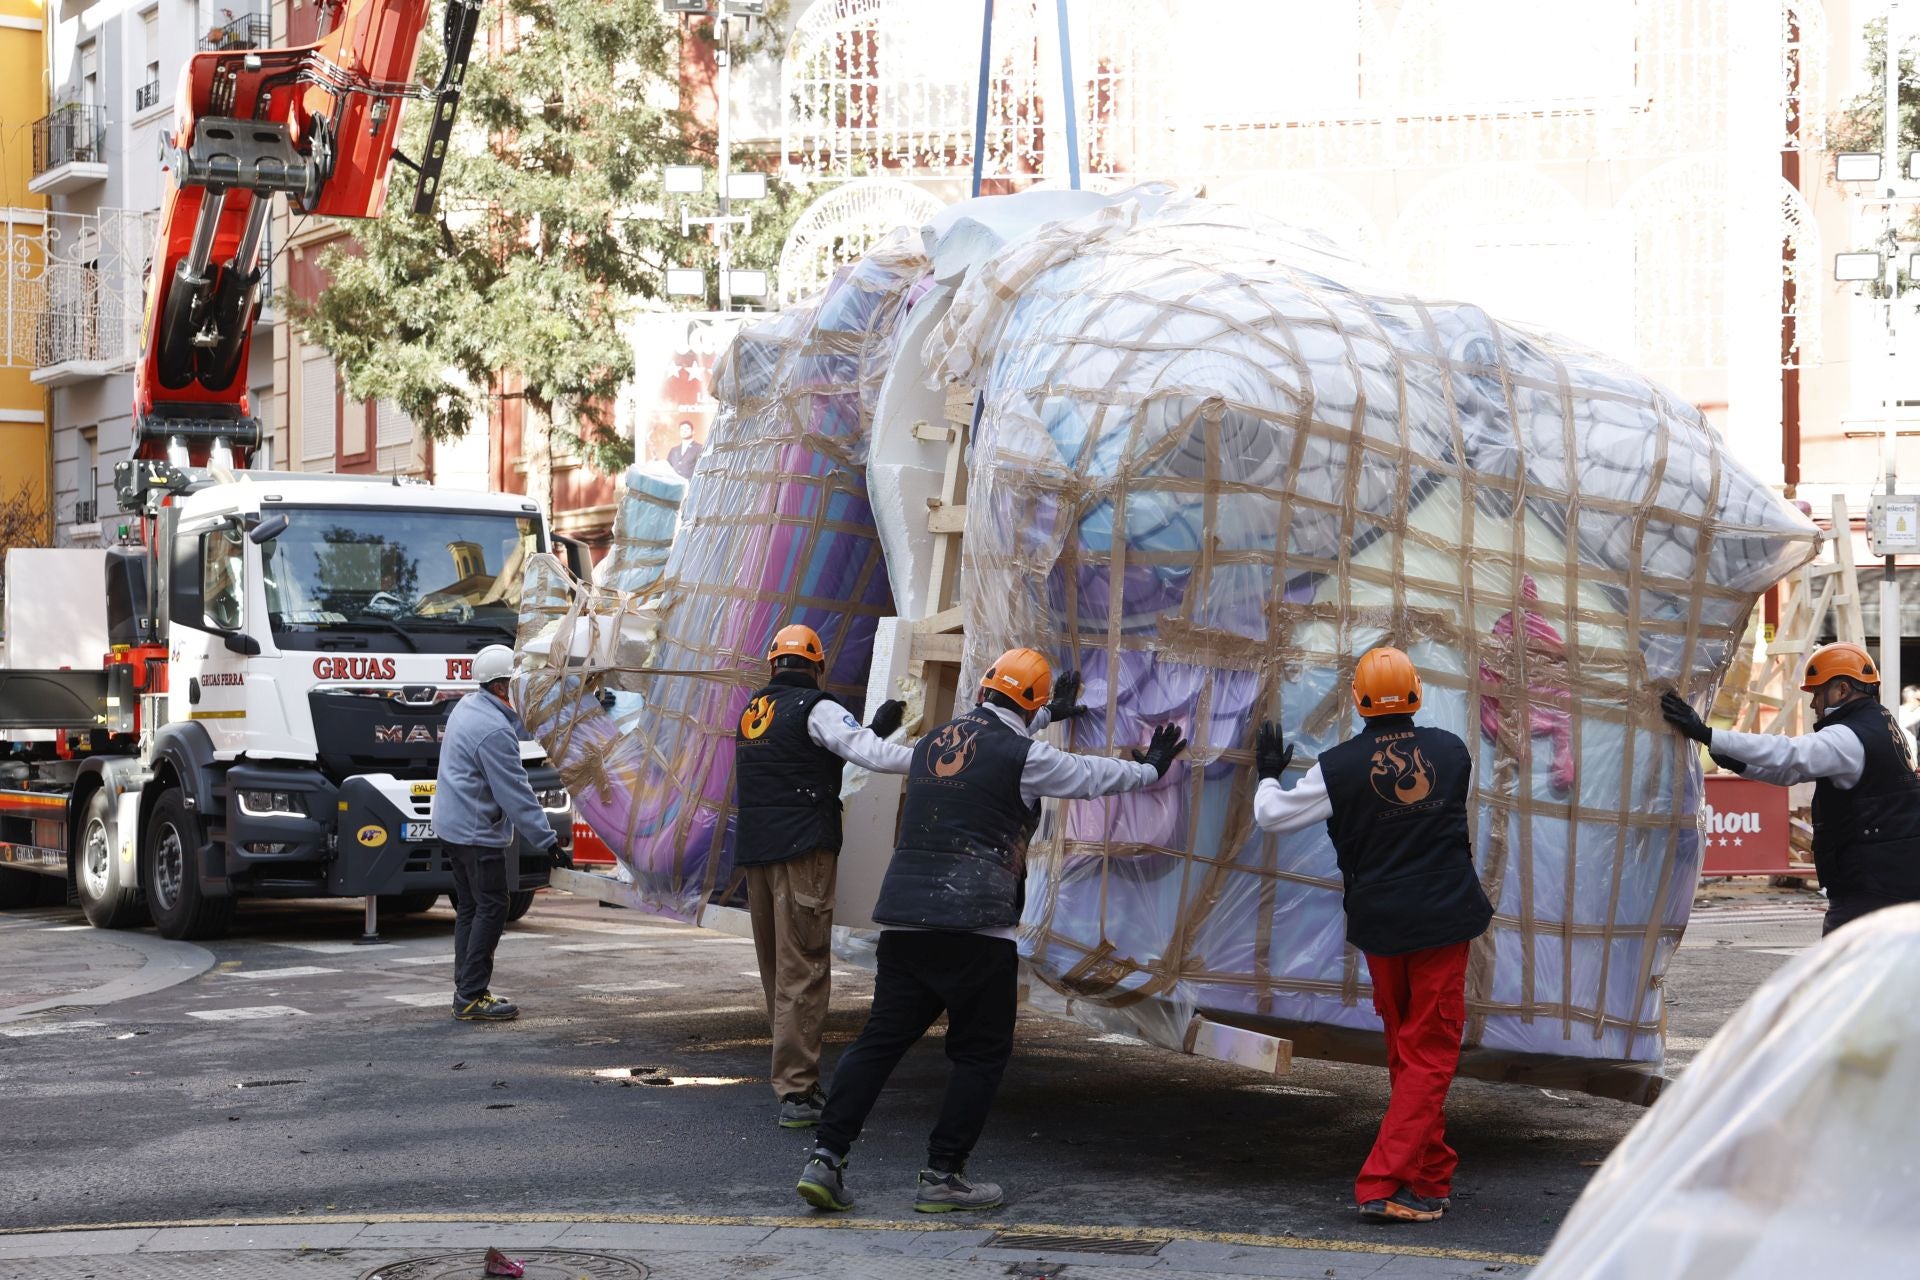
(1210, 463)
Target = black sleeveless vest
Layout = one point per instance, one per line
(1866, 841)
(1401, 833)
(960, 860)
(786, 788)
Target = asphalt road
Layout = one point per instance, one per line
(302, 1074)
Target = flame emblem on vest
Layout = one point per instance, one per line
(757, 718)
(953, 749)
(1401, 777)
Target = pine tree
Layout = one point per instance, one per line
(552, 226)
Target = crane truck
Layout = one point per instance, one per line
(245, 694)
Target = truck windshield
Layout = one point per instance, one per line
(439, 579)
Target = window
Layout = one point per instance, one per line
(319, 408)
(222, 566)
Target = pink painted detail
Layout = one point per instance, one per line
(1544, 646)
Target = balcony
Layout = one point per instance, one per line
(244, 31)
(86, 512)
(67, 154)
(146, 97)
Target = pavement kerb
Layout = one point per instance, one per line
(1249, 1239)
(168, 964)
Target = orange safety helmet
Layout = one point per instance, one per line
(797, 641)
(1024, 675)
(1842, 659)
(1386, 683)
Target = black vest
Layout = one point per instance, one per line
(1866, 842)
(1401, 833)
(960, 862)
(786, 788)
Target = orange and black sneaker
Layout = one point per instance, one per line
(1404, 1205)
(488, 1008)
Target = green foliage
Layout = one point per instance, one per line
(551, 228)
(1858, 125)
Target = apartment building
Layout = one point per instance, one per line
(25, 479)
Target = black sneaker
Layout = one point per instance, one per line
(1404, 1205)
(823, 1183)
(488, 1008)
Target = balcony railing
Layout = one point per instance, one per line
(146, 96)
(244, 31)
(72, 133)
(86, 512)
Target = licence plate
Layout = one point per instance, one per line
(417, 832)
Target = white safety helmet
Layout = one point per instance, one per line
(495, 662)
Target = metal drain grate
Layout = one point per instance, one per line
(1045, 1242)
(541, 1264)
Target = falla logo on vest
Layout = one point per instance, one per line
(953, 748)
(757, 718)
(1399, 776)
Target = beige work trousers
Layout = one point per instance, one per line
(791, 904)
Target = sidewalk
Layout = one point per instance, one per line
(666, 1247)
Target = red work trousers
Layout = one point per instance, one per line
(1422, 997)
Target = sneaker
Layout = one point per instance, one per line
(802, 1110)
(488, 1008)
(823, 1183)
(1404, 1206)
(945, 1192)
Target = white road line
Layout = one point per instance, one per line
(48, 1029)
(698, 1013)
(247, 1015)
(625, 988)
(423, 999)
(295, 971)
(445, 958)
(1777, 951)
(755, 973)
(337, 948)
(67, 928)
(605, 946)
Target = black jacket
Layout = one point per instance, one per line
(1866, 841)
(786, 786)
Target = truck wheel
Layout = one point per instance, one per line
(96, 865)
(18, 888)
(407, 904)
(180, 909)
(518, 904)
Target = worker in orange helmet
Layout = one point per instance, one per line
(1866, 799)
(1394, 798)
(948, 912)
(789, 747)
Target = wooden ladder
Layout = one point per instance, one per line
(1826, 589)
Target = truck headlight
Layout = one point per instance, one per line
(266, 804)
(554, 801)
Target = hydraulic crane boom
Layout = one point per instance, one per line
(316, 123)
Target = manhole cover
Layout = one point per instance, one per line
(541, 1264)
(1047, 1242)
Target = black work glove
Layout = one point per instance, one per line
(1728, 762)
(1685, 718)
(1165, 744)
(1065, 702)
(559, 855)
(887, 717)
(1271, 754)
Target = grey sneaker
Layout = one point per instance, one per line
(946, 1192)
(823, 1183)
(802, 1110)
(488, 1008)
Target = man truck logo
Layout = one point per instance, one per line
(757, 718)
(372, 837)
(407, 735)
(953, 749)
(353, 669)
(1400, 777)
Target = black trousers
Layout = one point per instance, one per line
(480, 887)
(975, 981)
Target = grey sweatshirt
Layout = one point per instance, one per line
(482, 792)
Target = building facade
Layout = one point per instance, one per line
(26, 480)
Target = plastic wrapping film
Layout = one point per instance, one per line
(1212, 467)
(775, 528)
(1787, 1148)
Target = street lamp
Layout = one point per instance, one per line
(1856, 267)
(684, 179)
(1857, 166)
(686, 282)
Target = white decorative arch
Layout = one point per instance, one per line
(1803, 265)
(1803, 74)
(1677, 217)
(845, 223)
(1310, 201)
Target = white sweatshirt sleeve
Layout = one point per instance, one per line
(1071, 776)
(832, 726)
(1834, 752)
(1279, 810)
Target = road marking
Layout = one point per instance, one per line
(607, 946)
(1115, 1038)
(247, 1015)
(755, 973)
(294, 971)
(773, 1222)
(1777, 951)
(443, 958)
(423, 999)
(48, 1029)
(67, 928)
(337, 948)
(623, 988)
(697, 1013)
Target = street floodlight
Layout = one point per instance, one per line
(746, 284)
(684, 179)
(1857, 166)
(1913, 266)
(686, 282)
(701, 7)
(1856, 266)
(746, 186)
(1913, 166)
(745, 8)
